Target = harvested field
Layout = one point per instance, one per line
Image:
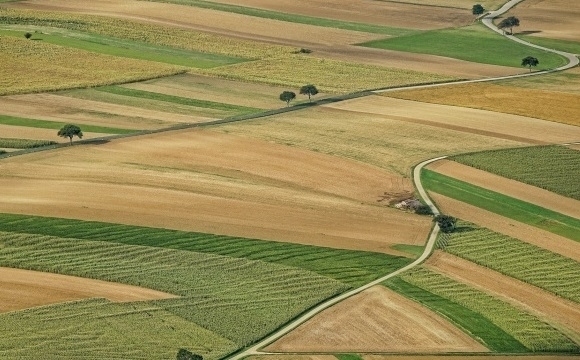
(395, 14)
(558, 312)
(22, 132)
(22, 289)
(541, 238)
(375, 137)
(556, 19)
(371, 322)
(80, 111)
(185, 180)
(461, 4)
(407, 357)
(563, 107)
(532, 194)
(504, 126)
(565, 81)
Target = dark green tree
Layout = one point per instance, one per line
(287, 96)
(28, 35)
(184, 354)
(530, 61)
(69, 130)
(509, 22)
(477, 10)
(309, 90)
(446, 223)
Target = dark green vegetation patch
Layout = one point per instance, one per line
(24, 143)
(554, 168)
(503, 205)
(45, 124)
(529, 263)
(473, 43)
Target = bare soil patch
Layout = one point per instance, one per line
(463, 4)
(22, 289)
(563, 107)
(471, 357)
(394, 14)
(372, 322)
(508, 187)
(217, 183)
(22, 132)
(558, 312)
(541, 238)
(506, 126)
(557, 19)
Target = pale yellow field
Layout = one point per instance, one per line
(463, 4)
(33, 66)
(542, 104)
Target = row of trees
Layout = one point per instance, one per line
(309, 90)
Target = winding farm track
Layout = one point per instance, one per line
(487, 21)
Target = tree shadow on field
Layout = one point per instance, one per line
(93, 142)
(529, 32)
(464, 229)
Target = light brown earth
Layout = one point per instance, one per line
(538, 103)
(22, 289)
(463, 4)
(493, 124)
(541, 238)
(557, 19)
(23, 132)
(377, 320)
(80, 111)
(408, 357)
(394, 14)
(328, 43)
(558, 312)
(205, 181)
(516, 189)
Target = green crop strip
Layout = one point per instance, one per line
(354, 268)
(473, 43)
(44, 124)
(503, 205)
(24, 143)
(119, 90)
(554, 168)
(531, 264)
(473, 323)
(131, 49)
(294, 18)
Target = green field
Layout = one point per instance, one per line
(45, 124)
(531, 264)
(503, 205)
(24, 143)
(295, 18)
(128, 48)
(562, 45)
(236, 109)
(472, 43)
(529, 331)
(554, 168)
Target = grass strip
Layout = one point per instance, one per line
(503, 205)
(473, 323)
(131, 49)
(552, 272)
(24, 143)
(354, 268)
(530, 331)
(45, 124)
(119, 90)
(294, 18)
(556, 44)
(472, 43)
(552, 167)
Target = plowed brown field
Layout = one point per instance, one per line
(516, 189)
(538, 103)
(556, 19)
(376, 320)
(217, 183)
(503, 225)
(408, 357)
(558, 312)
(482, 122)
(22, 289)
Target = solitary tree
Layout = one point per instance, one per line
(446, 223)
(477, 9)
(509, 22)
(28, 35)
(530, 61)
(287, 96)
(69, 130)
(309, 90)
(184, 354)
